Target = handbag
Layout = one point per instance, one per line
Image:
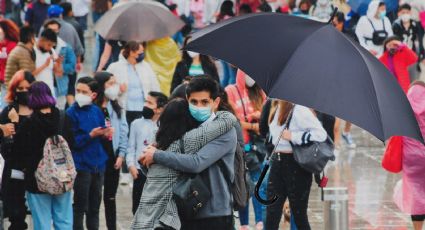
(313, 156)
(393, 155)
(191, 193)
(253, 157)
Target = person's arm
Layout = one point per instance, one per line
(361, 30)
(310, 126)
(107, 50)
(81, 137)
(388, 27)
(410, 57)
(123, 143)
(131, 158)
(204, 158)
(42, 67)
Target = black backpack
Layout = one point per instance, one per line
(378, 36)
(240, 188)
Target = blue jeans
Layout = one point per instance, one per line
(258, 208)
(46, 208)
(229, 74)
(83, 21)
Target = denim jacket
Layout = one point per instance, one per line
(120, 137)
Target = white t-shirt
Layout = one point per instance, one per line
(46, 75)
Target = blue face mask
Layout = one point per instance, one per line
(382, 14)
(140, 57)
(200, 114)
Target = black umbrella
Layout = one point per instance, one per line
(312, 64)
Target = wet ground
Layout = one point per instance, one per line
(370, 188)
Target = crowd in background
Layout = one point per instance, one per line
(121, 117)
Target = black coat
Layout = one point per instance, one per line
(182, 71)
(35, 132)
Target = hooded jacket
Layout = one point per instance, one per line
(399, 64)
(364, 29)
(239, 102)
(408, 194)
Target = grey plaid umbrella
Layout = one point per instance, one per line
(139, 21)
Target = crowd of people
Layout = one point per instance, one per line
(119, 118)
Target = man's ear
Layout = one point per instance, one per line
(94, 96)
(216, 103)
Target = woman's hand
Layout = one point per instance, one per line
(8, 129)
(13, 116)
(118, 163)
(287, 135)
(123, 88)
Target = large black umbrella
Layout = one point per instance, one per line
(312, 64)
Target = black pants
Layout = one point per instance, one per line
(288, 180)
(14, 203)
(222, 223)
(87, 199)
(112, 177)
(418, 217)
(138, 185)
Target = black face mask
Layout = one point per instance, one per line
(42, 50)
(392, 51)
(304, 11)
(22, 98)
(140, 57)
(147, 113)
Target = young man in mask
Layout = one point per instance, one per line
(142, 134)
(45, 59)
(410, 31)
(88, 126)
(203, 96)
(69, 61)
(373, 28)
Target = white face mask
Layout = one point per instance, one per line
(249, 81)
(405, 17)
(112, 92)
(192, 54)
(83, 100)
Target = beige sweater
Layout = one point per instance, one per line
(21, 58)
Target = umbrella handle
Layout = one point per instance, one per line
(333, 15)
(258, 185)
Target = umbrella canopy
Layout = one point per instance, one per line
(360, 6)
(139, 21)
(312, 64)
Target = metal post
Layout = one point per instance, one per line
(335, 211)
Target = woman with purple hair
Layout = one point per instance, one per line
(43, 123)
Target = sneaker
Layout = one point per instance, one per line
(259, 226)
(348, 139)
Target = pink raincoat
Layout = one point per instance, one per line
(236, 101)
(409, 193)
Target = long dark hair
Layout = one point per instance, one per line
(101, 78)
(206, 61)
(10, 30)
(255, 94)
(226, 9)
(174, 122)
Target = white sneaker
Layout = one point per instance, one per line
(348, 139)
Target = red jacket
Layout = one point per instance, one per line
(9, 46)
(402, 59)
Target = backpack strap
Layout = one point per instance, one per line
(61, 122)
